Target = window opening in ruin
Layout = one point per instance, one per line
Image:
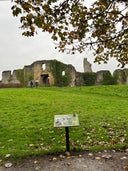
(45, 79)
(44, 66)
(63, 73)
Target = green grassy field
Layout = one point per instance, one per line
(27, 118)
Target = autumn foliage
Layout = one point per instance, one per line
(75, 26)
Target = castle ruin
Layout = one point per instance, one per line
(87, 66)
(56, 73)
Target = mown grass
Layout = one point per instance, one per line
(27, 118)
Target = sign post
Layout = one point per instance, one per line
(66, 121)
(67, 139)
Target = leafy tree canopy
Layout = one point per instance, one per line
(102, 27)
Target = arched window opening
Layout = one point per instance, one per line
(44, 66)
(63, 73)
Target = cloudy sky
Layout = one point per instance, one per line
(17, 51)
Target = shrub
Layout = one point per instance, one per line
(108, 79)
(89, 78)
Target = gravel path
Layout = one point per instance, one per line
(82, 161)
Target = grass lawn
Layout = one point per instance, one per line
(27, 118)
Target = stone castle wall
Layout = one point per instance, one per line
(87, 66)
(46, 72)
(53, 72)
(6, 76)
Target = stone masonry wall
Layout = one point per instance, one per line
(6, 77)
(53, 72)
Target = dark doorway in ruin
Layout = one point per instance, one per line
(45, 79)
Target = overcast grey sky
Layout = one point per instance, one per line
(17, 51)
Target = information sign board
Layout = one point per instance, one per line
(66, 120)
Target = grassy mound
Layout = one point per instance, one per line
(27, 118)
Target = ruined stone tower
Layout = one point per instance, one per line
(87, 66)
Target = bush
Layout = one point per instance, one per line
(108, 79)
(89, 78)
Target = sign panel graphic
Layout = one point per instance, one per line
(66, 120)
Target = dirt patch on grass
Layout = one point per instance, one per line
(78, 161)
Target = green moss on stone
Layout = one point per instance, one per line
(57, 68)
(20, 75)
